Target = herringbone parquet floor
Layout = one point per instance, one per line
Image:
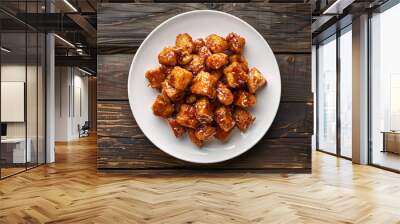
(71, 191)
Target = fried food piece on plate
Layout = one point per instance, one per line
(217, 73)
(198, 44)
(204, 84)
(216, 43)
(243, 119)
(185, 41)
(183, 55)
(155, 77)
(222, 135)
(235, 75)
(241, 60)
(224, 94)
(224, 118)
(168, 57)
(216, 61)
(187, 116)
(244, 99)
(178, 129)
(256, 80)
(166, 69)
(180, 78)
(163, 107)
(205, 132)
(196, 64)
(236, 42)
(172, 93)
(204, 53)
(193, 138)
(204, 110)
(191, 99)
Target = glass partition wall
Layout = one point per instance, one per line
(334, 94)
(22, 88)
(326, 60)
(385, 88)
(345, 93)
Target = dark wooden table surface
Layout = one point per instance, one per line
(287, 145)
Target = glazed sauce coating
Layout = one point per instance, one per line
(206, 87)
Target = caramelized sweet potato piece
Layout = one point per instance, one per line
(244, 99)
(224, 118)
(216, 61)
(236, 42)
(216, 43)
(224, 94)
(198, 44)
(168, 57)
(221, 134)
(204, 84)
(176, 127)
(203, 133)
(243, 119)
(193, 138)
(185, 41)
(180, 78)
(204, 110)
(173, 94)
(235, 75)
(155, 77)
(196, 64)
(187, 116)
(163, 107)
(256, 80)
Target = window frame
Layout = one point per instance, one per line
(381, 9)
(338, 33)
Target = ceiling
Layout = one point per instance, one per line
(74, 21)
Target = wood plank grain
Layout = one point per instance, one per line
(115, 119)
(286, 27)
(131, 153)
(294, 68)
(112, 76)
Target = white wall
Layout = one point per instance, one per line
(16, 72)
(62, 81)
(71, 102)
(33, 126)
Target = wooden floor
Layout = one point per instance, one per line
(386, 159)
(71, 191)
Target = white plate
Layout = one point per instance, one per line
(201, 23)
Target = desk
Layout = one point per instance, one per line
(18, 149)
(391, 141)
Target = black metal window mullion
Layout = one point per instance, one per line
(26, 87)
(369, 113)
(317, 97)
(37, 90)
(45, 90)
(0, 96)
(338, 72)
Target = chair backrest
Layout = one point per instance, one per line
(86, 125)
